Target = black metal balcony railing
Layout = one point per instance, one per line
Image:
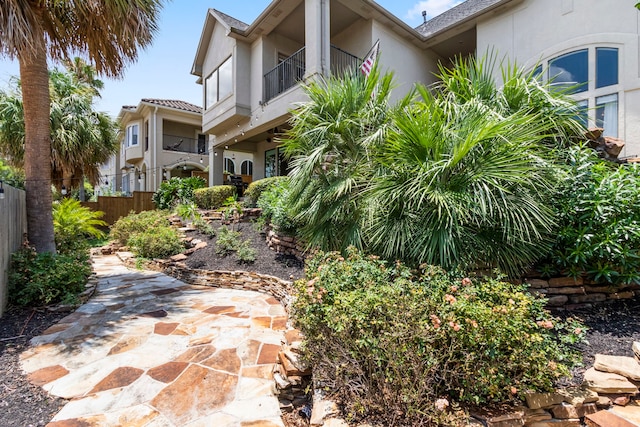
(182, 144)
(287, 73)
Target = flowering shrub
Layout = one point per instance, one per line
(404, 344)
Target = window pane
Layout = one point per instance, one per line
(583, 117)
(607, 114)
(229, 166)
(570, 70)
(132, 135)
(270, 163)
(606, 66)
(211, 89)
(537, 72)
(246, 168)
(225, 79)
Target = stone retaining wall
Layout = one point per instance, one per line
(570, 294)
(278, 288)
(286, 245)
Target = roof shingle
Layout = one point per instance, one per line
(455, 15)
(174, 103)
(231, 21)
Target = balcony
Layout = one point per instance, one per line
(287, 73)
(181, 144)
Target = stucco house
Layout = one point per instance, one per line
(250, 72)
(162, 139)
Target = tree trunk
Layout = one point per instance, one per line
(37, 151)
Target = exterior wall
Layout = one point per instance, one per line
(408, 63)
(220, 49)
(357, 39)
(13, 226)
(539, 30)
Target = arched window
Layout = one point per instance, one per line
(229, 166)
(246, 168)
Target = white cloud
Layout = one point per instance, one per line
(433, 8)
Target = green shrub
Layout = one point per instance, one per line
(159, 242)
(134, 223)
(204, 227)
(188, 212)
(389, 341)
(276, 207)
(256, 188)
(213, 197)
(228, 241)
(246, 254)
(177, 190)
(45, 278)
(598, 209)
(74, 224)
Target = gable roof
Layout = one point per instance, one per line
(174, 103)
(230, 21)
(456, 15)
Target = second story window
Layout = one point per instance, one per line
(132, 135)
(219, 84)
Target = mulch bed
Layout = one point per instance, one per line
(21, 403)
(612, 330)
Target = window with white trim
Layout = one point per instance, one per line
(132, 135)
(229, 166)
(219, 84)
(591, 75)
(246, 168)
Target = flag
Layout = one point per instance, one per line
(367, 65)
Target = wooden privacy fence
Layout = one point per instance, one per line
(13, 226)
(116, 207)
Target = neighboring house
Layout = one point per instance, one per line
(111, 178)
(249, 73)
(162, 139)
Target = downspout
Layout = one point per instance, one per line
(323, 42)
(155, 150)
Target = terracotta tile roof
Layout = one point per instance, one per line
(455, 15)
(231, 21)
(173, 103)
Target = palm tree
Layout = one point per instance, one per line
(468, 171)
(329, 146)
(110, 33)
(81, 138)
(85, 73)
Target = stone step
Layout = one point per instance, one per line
(607, 419)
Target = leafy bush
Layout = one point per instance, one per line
(73, 224)
(213, 197)
(276, 207)
(389, 341)
(599, 213)
(45, 278)
(188, 212)
(134, 223)
(256, 188)
(159, 242)
(246, 254)
(177, 190)
(204, 227)
(228, 241)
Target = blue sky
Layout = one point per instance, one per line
(163, 70)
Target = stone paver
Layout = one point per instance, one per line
(149, 350)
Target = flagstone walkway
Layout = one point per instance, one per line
(149, 350)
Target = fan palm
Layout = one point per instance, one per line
(329, 145)
(466, 172)
(110, 33)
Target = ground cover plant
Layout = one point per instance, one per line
(391, 343)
